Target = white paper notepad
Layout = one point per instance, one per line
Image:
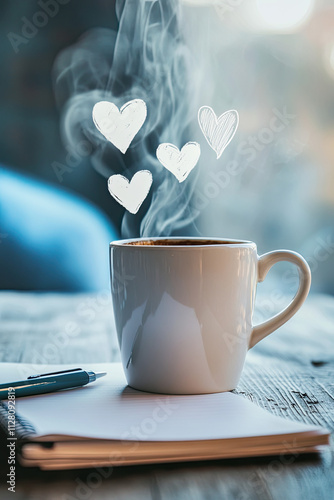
(108, 422)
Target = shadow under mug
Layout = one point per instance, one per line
(183, 310)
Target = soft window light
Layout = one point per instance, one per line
(282, 15)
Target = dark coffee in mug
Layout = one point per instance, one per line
(182, 242)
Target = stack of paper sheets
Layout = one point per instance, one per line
(108, 423)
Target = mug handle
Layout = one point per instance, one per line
(265, 262)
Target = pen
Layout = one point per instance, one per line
(49, 382)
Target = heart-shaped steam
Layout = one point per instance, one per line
(120, 126)
(130, 194)
(218, 131)
(180, 163)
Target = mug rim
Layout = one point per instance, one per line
(228, 242)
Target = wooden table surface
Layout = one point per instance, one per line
(291, 373)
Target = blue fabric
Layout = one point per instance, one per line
(50, 239)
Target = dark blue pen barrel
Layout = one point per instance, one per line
(42, 385)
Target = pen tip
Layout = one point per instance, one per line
(100, 374)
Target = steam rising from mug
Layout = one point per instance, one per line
(146, 58)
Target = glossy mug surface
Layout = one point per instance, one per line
(183, 310)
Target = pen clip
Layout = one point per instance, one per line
(54, 373)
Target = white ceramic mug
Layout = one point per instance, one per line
(183, 310)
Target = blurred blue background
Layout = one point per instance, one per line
(271, 60)
(54, 231)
